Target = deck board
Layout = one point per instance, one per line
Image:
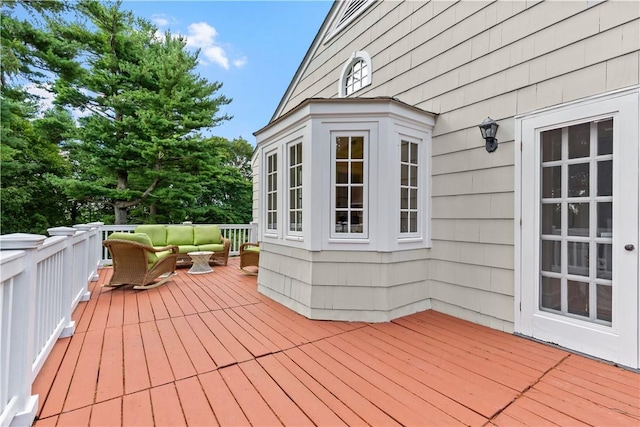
(210, 350)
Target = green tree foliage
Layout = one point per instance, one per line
(139, 145)
(30, 158)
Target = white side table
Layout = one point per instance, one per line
(200, 262)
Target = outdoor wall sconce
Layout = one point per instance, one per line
(489, 128)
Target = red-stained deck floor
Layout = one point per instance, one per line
(206, 350)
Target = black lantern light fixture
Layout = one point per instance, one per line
(489, 128)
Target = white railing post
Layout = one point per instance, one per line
(67, 278)
(96, 256)
(22, 327)
(253, 234)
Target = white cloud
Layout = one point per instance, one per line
(160, 19)
(240, 62)
(203, 36)
(217, 55)
(46, 97)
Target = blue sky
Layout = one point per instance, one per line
(252, 47)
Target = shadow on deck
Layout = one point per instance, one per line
(209, 350)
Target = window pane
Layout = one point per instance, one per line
(342, 225)
(551, 145)
(342, 197)
(356, 221)
(578, 258)
(578, 298)
(356, 197)
(413, 199)
(404, 222)
(579, 140)
(578, 219)
(605, 261)
(404, 198)
(414, 176)
(578, 185)
(605, 137)
(357, 172)
(292, 177)
(551, 256)
(342, 172)
(342, 147)
(404, 151)
(299, 175)
(604, 302)
(413, 223)
(357, 147)
(292, 199)
(605, 219)
(551, 218)
(605, 181)
(550, 293)
(404, 175)
(414, 154)
(551, 182)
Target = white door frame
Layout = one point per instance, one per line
(620, 341)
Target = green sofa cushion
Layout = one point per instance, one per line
(206, 234)
(157, 233)
(141, 238)
(213, 247)
(183, 249)
(252, 248)
(179, 235)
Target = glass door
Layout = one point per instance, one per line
(576, 210)
(577, 241)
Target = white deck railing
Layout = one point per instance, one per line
(42, 280)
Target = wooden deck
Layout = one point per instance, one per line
(206, 350)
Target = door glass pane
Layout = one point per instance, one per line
(578, 258)
(404, 198)
(551, 255)
(578, 185)
(404, 151)
(605, 219)
(551, 145)
(551, 294)
(578, 220)
(605, 261)
(605, 137)
(404, 175)
(579, 140)
(414, 176)
(604, 302)
(551, 182)
(551, 217)
(578, 298)
(605, 181)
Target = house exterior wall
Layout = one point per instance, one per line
(466, 61)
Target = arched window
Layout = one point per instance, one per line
(356, 73)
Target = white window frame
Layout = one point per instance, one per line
(294, 186)
(419, 209)
(358, 56)
(268, 191)
(364, 236)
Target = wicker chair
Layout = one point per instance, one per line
(137, 264)
(249, 256)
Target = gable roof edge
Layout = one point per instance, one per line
(307, 58)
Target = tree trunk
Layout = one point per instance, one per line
(120, 214)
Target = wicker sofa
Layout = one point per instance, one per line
(189, 238)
